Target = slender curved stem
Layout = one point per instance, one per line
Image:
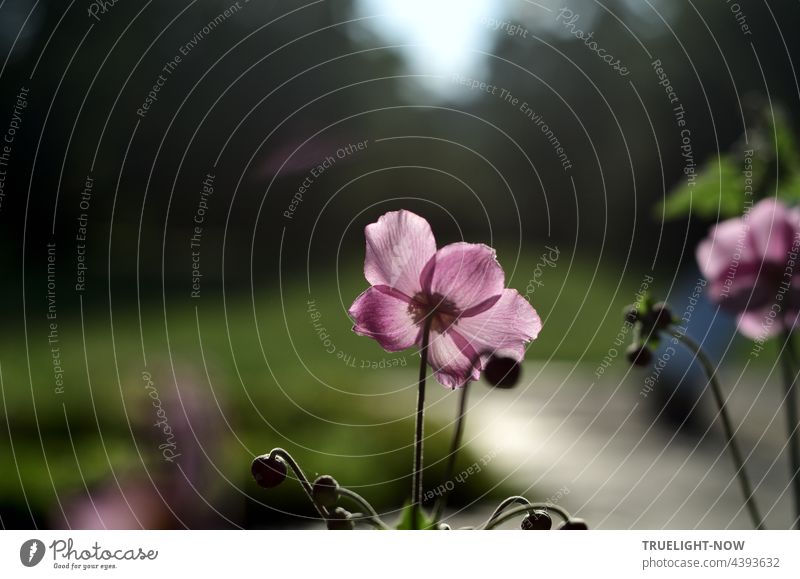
(416, 479)
(789, 362)
(507, 503)
(454, 446)
(286, 457)
(371, 513)
(736, 453)
(516, 511)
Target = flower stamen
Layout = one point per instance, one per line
(444, 311)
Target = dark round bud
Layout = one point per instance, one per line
(502, 372)
(662, 316)
(268, 471)
(574, 525)
(639, 355)
(339, 520)
(537, 521)
(632, 314)
(326, 491)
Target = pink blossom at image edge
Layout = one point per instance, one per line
(747, 262)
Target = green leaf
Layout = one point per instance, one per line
(718, 190)
(789, 190)
(788, 151)
(786, 144)
(407, 522)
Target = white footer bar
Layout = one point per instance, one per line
(330, 555)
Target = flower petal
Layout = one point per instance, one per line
(503, 329)
(752, 290)
(466, 274)
(726, 247)
(399, 245)
(758, 325)
(382, 313)
(771, 230)
(744, 259)
(453, 361)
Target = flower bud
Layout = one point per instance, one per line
(632, 314)
(537, 521)
(662, 316)
(502, 372)
(574, 525)
(269, 471)
(339, 520)
(326, 491)
(639, 355)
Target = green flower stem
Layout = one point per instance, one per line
(789, 362)
(454, 446)
(371, 514)
(736, 453)
(502, 516)
(416, 479)
(366, 518)
(287, 458)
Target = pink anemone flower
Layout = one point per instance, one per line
(749, 263)
(458, 290)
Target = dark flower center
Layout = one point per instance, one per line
(444, 312)
(771, 284)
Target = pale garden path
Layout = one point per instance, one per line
(620, 469)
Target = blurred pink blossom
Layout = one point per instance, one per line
(749, 262)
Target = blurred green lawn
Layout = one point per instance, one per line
(278, 383)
